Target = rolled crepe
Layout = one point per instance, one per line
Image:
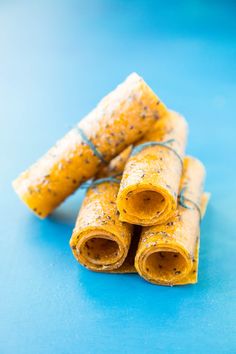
(168, 254)
(100, 241)
(120, 119)
(149, 186)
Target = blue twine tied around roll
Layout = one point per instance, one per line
(111, 179)
(91, 145)
(183, 200)
(166, 143)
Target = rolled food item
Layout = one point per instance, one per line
(168, 254)
(150, 182)
(100, 241)
(119, 120)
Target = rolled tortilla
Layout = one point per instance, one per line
(168, 254)
(120, 119)
(100, 241)
(149, 186)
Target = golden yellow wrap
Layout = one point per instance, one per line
(100, 241)
(149, 186)
(120, 119)
(168, 254)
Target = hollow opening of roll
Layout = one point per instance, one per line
(100, 250)
(165, 266)
(145, 204)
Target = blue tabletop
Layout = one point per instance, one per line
(58, 58)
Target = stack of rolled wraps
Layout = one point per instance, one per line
(160, 190)
(144, 200)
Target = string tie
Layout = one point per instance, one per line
(165, 144)
(90, 144)
(183, 200)
(92, 183)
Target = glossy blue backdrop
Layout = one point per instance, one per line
(57, 59)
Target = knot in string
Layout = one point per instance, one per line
(90, 144)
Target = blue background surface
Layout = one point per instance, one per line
(57, 59)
